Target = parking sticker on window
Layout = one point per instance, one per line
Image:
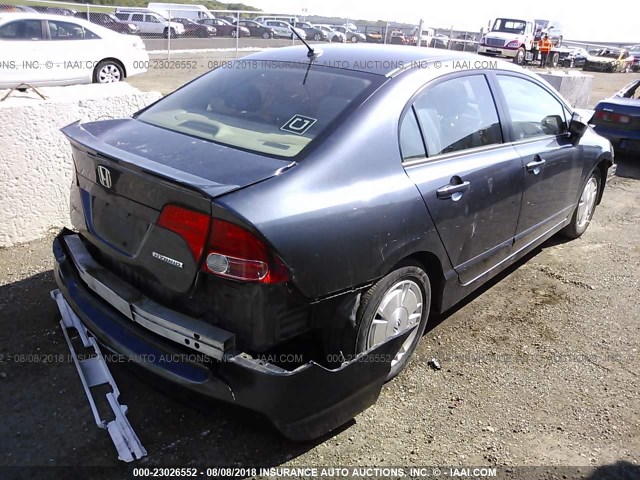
(298, 124)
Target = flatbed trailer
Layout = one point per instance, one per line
(557, 55)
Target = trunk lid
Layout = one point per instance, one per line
(127, 171)
(620, 106)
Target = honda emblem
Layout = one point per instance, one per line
(104, 176)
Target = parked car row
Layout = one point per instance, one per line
(147, 21)
(110, 21)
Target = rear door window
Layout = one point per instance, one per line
(458, 114)
(411, 144)
(22, 30)
(67, 31)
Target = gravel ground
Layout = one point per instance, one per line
(539, 368)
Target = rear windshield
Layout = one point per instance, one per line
(273, 108)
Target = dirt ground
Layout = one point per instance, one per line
(539, 368)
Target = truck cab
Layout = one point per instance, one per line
(424, 38)
(509, 38)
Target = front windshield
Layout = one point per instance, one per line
(609, 53)
(273, 108)
(507, 25)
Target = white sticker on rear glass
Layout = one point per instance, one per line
(298, 124)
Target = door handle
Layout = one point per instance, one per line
(452, 191)
(536, 165)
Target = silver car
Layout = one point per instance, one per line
(332, 35)
(150, 23)
(350, 35)
(283, 29)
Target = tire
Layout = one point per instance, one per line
(554, 59)
(108, 71)
(354, 39)
(583, 213)
(317, 37)
(169, 30)
(404, 284)
(233, 33)
(266, 35)
(519, 58)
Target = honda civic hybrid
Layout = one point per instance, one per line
(277, 233)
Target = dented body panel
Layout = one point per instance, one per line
(324, 398)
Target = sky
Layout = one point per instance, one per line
(616, 21)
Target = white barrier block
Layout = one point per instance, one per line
(35, 158)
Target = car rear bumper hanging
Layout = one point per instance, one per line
(93, 371)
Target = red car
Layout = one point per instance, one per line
(224, 28)
(195, 29)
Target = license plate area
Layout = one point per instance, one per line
(117, 225)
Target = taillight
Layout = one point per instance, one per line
(190, 225)
(238, 254)
(610, 117)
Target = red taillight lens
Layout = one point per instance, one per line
(612, 117)
(236, 253)
(190, 225)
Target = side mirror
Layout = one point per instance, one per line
(577, 126)
(553, 125)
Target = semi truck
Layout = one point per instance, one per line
(518, 39)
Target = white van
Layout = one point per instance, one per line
(179, 10)
(281, 18)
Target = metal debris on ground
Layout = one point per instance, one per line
(435, 364)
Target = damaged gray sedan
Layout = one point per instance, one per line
(277, 233)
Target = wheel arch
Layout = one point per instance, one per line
(433, 268)
(602, 165)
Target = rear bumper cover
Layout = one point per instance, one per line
(303, 404)
(622, 140)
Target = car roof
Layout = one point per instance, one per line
(377, 59)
